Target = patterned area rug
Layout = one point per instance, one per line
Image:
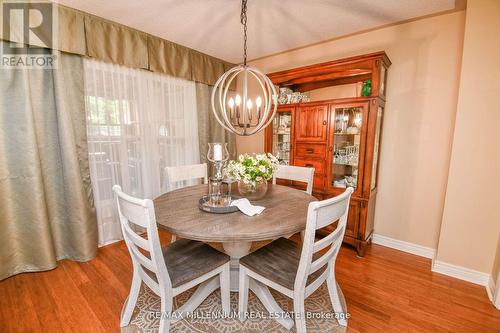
(317, 304)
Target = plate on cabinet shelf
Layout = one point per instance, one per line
(346, 164)
(346, 133)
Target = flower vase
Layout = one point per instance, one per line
(367, 88)
(252, 191)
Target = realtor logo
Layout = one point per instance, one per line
(29, 34)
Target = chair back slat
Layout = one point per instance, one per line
(319, 215)
(331, 213)
(133, 211)
(295, 173)
(135, 238)
(186, 172)
(141, 212)
(152, 284)
(324, 259)
(328, 240)
(143, 260)
(317, 282)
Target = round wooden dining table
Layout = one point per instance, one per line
(286, 211)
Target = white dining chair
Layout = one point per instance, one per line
(170, 270)
(296, 173)
(182, 173)
(282, 266)
(186, 172)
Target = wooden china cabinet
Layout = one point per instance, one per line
(339, 137)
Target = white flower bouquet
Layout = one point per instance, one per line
(252, 169)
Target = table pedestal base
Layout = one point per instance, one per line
(236, 250)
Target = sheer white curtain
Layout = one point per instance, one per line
(138, 123)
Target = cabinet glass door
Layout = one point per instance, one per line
(282, 134)
(348, 127)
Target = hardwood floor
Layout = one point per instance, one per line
(386, 291)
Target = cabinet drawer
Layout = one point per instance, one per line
(310, 150)
(318, 165)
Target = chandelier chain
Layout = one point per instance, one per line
(233, 116)
(243, 19)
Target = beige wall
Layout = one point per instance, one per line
(418, 125)
(342, 91)
(471, 218)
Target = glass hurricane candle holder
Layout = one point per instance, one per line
(217, 154)
(217, 192)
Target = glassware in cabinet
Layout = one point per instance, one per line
(347, 130)
(282, 137)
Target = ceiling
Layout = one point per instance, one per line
(213, 26)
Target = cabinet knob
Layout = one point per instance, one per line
(324, 122)
(309, 165)
(330, 148)
(309, 150)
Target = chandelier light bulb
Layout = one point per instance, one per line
(258, 102)
(238, 100)
(249, 104)
(231, 102)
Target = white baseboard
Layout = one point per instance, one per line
(441, 267)
(490, 289)
(461, 273)
(416, 249)
(110, 242)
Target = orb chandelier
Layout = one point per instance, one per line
(237, 113)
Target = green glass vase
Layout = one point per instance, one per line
(367, 89)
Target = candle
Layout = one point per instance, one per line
(217, 152)
(231, 108)
(258, 103)
(249, 109)
(237, 101)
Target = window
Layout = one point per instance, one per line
(138, 123)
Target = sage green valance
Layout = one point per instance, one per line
(89, 35)
(116, 43)
(169, 58)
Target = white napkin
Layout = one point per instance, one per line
(246, 207)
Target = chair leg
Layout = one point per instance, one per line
(243, 293)
(300, 313)
(135, 287)
(335, 299)
(166, 312)
(225, 292)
